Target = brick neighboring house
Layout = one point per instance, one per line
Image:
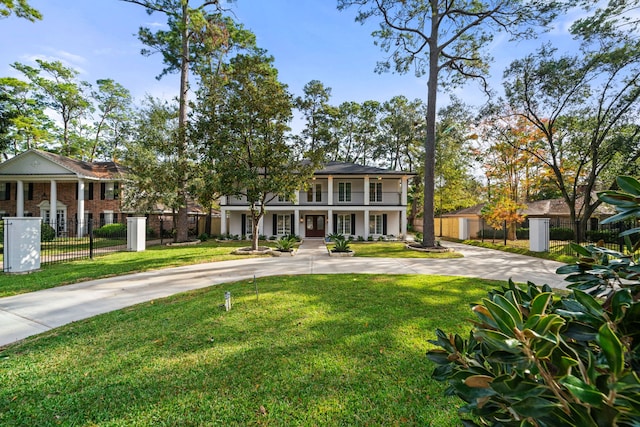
(37, 183)
(345, 198)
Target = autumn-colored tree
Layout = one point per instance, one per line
(504, 212)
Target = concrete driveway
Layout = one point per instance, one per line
(28, 314)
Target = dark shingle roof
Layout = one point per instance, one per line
(100, 170)
(344, 168)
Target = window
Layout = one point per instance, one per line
(5, 191)
(375, 191)
(106, 218)
(344, 191)
(314, 193)
(284, 224)
(28, 191)
(375, 224)
(108, 191)
(343, 224)
(283, 199)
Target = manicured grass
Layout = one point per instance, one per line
(523, 251)
(394, 250)
(322, 350)
(155, 257)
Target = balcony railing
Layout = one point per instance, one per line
(354, 198)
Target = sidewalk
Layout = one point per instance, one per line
(29, 314)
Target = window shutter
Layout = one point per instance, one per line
(115, 218)
(91, 191)
(384, 224)
(275, 224)
(243, 225)
(292, 224)
(103, 190)
(353, 224)
(30, 191)
(116, 190)
(335, 223)
(101, 219)
(7, 191)
(77, 191)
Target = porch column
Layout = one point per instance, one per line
(296, 222)
(366, 217)
(223, 221)
(403, 191)
(403, 223)
(80, 215)
(330, 190)
(53, 209)
(366, 193)
(19, 199)
(329, 229)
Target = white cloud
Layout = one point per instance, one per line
(31, 58)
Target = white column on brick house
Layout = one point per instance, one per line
(296, 222)
(80, 215)
(53, 205)
(19, 198)
(330, 190)
(366, 192)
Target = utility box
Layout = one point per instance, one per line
(21, 244)
(136, 233)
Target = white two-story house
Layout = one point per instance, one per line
(345, 198)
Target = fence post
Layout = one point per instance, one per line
(135, 233)
(161, 229)
(577, 231)
(91, 242)
(539, 234)
(504, 232)
(21, 244)
(463, 228)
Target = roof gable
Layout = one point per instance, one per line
(42, 163)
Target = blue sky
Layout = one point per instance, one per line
(310, 39)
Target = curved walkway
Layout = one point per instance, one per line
(32, 313)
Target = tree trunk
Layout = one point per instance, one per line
(428, 223)
(182, 227)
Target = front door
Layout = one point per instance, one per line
(314, 226)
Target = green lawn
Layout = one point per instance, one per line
(393, 250)
(155, 257)
(321, 350)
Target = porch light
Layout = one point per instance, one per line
(379, 178)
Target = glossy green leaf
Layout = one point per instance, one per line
(534, 407)
(540, 303)
(506, 323)
(612, 349)
(510, 306)
(585, 392)
(579, 249)
(629, 185)
(593, 307)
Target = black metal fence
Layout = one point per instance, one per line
(564, 231)
(70, 241)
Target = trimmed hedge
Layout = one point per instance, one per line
(561, 233)
(111, 230)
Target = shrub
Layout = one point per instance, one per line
(151, 232)
(334, 237)
(381, 238)
(47, 233)
(203, 237)
(111, 230)
(262, 237)
(285, 244)
(491, 233)
(561, 233)
(536, 360)
(370, 238)
(608, 236)
(522, 233)
(293, 237)
(341, 245)
(360, 239)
